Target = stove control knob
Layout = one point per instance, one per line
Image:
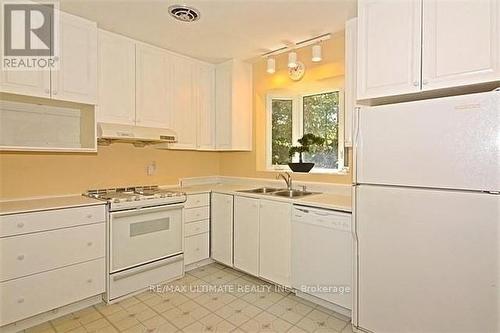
(162, 195)
(137, 198)
(116, 200)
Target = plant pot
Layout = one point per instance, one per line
(301, 167)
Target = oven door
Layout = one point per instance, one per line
(144, 235)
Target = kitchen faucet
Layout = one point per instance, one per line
(287, 178)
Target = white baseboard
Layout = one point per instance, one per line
(334, 307)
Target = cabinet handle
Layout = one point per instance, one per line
(425, 82)
(197, 249)
(89, 216)
(89, 280)
(20, 300)
(20, 257)
(89, 244)
(416, 83)
(47, 91)
(54, 92)
(20, 225)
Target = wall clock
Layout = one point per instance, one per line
(296, 73)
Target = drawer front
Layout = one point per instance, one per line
(196, 248)
(196, 228)
(141, 277)
(43, 251)
(17, 224)
(34, 294)
(197, 200)
(196, 214)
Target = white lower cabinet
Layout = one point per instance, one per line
(196, 228)
(50, 259)
(222, 228)
(262, 238)
(274, 236)
(246, 234)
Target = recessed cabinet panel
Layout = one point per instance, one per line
(76, 78)
(153, 86)
(389, 47)
(32, 83)
(116, 79)
(461, 43)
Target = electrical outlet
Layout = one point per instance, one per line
(151, 168)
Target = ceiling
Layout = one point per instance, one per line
(241, 29)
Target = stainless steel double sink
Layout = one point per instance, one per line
(280, 192)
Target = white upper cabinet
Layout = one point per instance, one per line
(461, 43)
(76, 78)
(116, 79)
(204, 85)
(420, 45)
(184, 115)
(388, 47)
(246, 234)
(233, 96)
(153, 86)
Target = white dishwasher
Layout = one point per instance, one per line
(322, 247)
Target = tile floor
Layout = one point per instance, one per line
(211, 298)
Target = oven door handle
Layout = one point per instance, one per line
(139, 211)
(147, 267)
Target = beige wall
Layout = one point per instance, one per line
(38, 174)
(327, 74)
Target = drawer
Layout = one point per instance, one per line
(197, 200)
(33, 253)
(196, 214)
(17, 224)
(34, 294)
(134, 279)
(196, 248)
(195, 228)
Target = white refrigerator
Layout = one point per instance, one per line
(427, 216)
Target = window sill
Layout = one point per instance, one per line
(315, 171)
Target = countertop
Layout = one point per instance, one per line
(320, 200)
(33, 205)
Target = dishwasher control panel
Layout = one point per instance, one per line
(322, 217)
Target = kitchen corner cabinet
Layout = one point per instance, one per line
(275, 238)
(233, 96)
(419, 45)
(246, 234)
(222, 228)
(76, 78)
(116, 67)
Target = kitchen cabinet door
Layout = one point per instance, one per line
(246, 234)
(76, 78)
(31, 83)
(461, 43)
(222, 228)
(184, 115)
(204, 85)
(389, 47)
(275, 238)
(153, 84)
(116, 79)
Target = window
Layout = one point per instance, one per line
(290, 117)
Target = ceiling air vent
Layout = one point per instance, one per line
(184, 13)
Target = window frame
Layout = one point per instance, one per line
(298, 127)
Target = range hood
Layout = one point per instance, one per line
(138, 135)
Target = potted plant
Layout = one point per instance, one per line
(306, 142)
